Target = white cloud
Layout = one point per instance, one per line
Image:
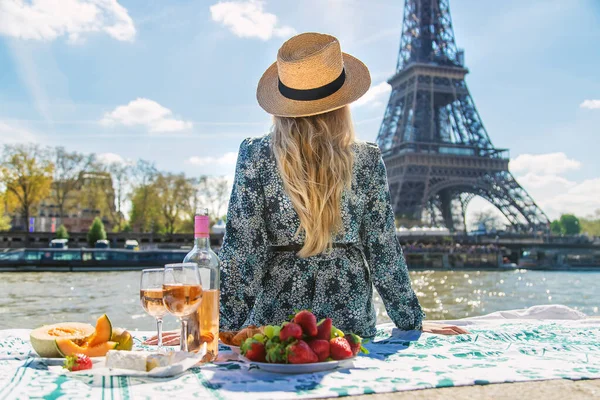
(544, 164)
(248, 19)
(49, 19)
(226, 159)
(15, 134)
(147, 113)
(110, 158)
(580, 199)
(542, 176)
(374, 95)
(590, 104)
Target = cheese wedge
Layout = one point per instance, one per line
(137, 360)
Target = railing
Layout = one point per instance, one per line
(449, 149)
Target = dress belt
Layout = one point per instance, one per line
(298, 247)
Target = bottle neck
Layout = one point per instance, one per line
(202, 243)
(202, 232)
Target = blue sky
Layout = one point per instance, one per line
(174, 82)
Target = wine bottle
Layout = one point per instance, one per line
(203, 326)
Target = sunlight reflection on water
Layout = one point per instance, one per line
(34, 299)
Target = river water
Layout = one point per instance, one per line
(34, 299)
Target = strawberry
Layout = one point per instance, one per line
(275, 350)
(290, 330)
(321, 348)
(324, 329)
(253, 350)
(307, 321)
(355, 343)
(78, 362)
(276, 354)
(340, 348)
(299, 352)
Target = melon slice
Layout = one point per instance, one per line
(103, 332)
(123, 337)
(66, 347)
(43, 338)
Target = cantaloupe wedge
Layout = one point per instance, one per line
(43, 339)
(67, 347)
(103, 332)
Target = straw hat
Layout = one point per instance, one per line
(311, 76)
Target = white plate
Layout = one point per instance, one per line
(234, 349)
(300, 368)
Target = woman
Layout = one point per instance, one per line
(310, 224)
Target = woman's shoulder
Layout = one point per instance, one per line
(367, 153)
(255, 146)
(257, 141)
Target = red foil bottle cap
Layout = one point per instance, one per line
(201, 226)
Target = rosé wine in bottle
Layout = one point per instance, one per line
(203, 326)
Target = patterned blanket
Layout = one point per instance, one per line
(502, 347)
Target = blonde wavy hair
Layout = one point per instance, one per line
(315, 158)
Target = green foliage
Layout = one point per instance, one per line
(591, 224)
(96, 231)
(127, 228)
(61, 232)
(4, 219)
(570, 224)
(26, 174)
(555, 227)
(567, 224)
(145, 209)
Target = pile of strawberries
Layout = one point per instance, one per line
(302, 341)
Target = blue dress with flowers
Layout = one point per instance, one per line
(261, 286)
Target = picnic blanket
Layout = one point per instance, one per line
(542, 342)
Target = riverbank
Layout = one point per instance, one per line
(472, 258)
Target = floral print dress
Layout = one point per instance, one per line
(261, 286)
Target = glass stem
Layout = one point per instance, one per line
(159, 323)
(184, 336)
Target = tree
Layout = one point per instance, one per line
(67, 176)
(4, 219)
(570, 224)
(143, 197)
(488, 218)
(591, 224)
(61, 233)
(96, 194)
(26, 172)
(215, 195)
(96, 231)
(173, 192)
(193, 203)
(120, 173)
(115, 194)
(556, 227)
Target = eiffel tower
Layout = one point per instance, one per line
(435, 147)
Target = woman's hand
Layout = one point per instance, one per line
(442, 329)
(170, 338)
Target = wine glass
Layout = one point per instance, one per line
(151, 297)
(182, 294)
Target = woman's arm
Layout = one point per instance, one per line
(244, 249)
(383, 252)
